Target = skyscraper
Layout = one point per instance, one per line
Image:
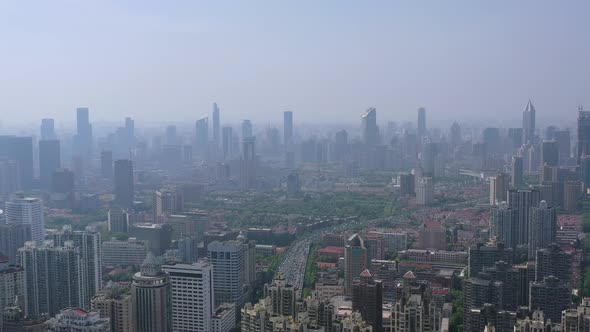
(62, 181)
(287, 129)
(227, 137)
(124, 189)
(106, 164)
(20, 150)
(83, 138)
(9, 177)
(369, 129)
(523, 200)
(542, 227)
(246, 129)
(528, 123)
(47, 129)
(367, 298)
(49, 161)
(151, 293)
(564, 142)
(583, 133)
(216, 128)
(26, 210)
(202, 138)
(456, 137)
(498, 188)
(421, 124)
(517, 178)
(12, 237)
(88, 243)
(228, 260)
(356, 260)
(551, 296)
(550, 153)
(192, 295)
(52, 277)
(248, 163)
(504, 224)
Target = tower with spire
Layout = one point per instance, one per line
(528, 123)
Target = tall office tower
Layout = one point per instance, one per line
(367, 298)
(504, 224)
(130, 131)
(49, 161)
(83, 138)
(515, 137)
(167, 201)
(340, 145)
(421, 124)
(427, 158)
(554, 261)
(229, 272)
(78, 320)
(19, 149)
(246, 129)
(9, 177)
(216, 128)
(542, 227)
(283, 296)
(456, 137)
(572, 193)
(528, 123)
(62, 181)
(550, 153)
(356, 260)
(117, 221)
(26, 210)
(517, 174)
(192, 295)
(47, 129)
(491, 138)
(406, 184)
(12, 237)
(52, 277)
(106, 164)
(486, 256)
(523, 200)
(563, 141)
(151, 294)
(11, 282)
(287, 129)
(498, 188)
(510, 278)
(369, 129)
(124, 189)
(88, 243)
(248, 164)
(583, 133)
(202, 138)
(171, 135)
(551, 296)
(425, 191)
(584, 163)
(227, 136)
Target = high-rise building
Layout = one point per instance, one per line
(114, 302)
(49, 161)
(124, 189)
(117, 221)
(550, 153)
(106, 164)
(564, 142)
(83, 138)
(517, 178)
(491, 139)
(26, 210)
(528, 123)
(151, 294)
(62, 181)
(456, 137)
(12, 237)
(427, 158)
(216, 128)
(167, 201)
(542, 227)
(202, 138)
(9, 177)
(248, 164)
(11, 282)
(551, 296)
(52, 277)
(88, 243)
(228, 260)
(369, 128)
(486, 256)
(246, 129)
(367, 298)
(421, 124)
(415, 309)
(515, 136)
(47, 129)
(192, 295)
(554, 261)
(287, 129)
(504, 224)
(20, 150)
(572, 192)
(583, 133)
(282, 296)
(78, 320)
(157, 236)
(356, 260)
(523, 200)
(425, 191)
(577, 320)
(227, 138)
(498, 188)
(120, 253)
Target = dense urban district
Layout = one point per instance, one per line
(221, 226)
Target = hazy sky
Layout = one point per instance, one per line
(325, 60)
